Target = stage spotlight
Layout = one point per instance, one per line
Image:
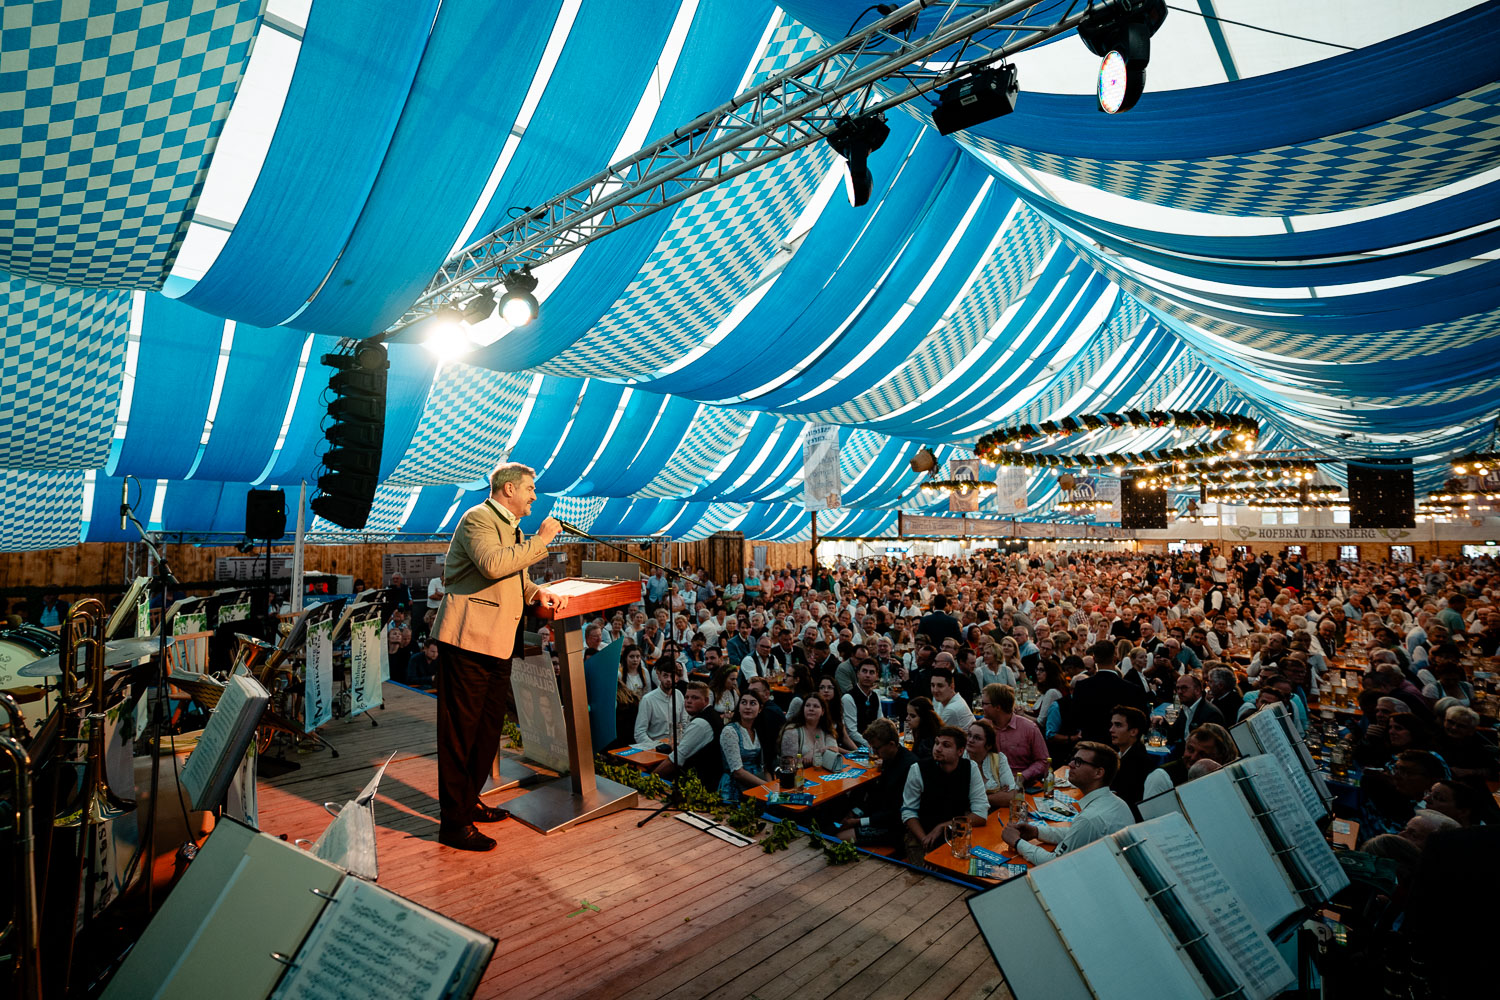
(1119, 32)
(975, 99)
(446, 336)
(479, 307)
(518, 306)
(855, 139)
(923, 461)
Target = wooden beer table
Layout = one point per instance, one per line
(822, 791)
(988, 836)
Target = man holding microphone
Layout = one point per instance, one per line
(478, 628)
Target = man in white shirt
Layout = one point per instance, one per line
(759, 662)
(712, 628)
(435, 592)
(950, 705)
(1101, 812)
(861, 705)
(659, 707)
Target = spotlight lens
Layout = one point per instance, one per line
(518, 308)
(447, 338)
(1113, 80)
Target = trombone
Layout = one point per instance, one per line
(83, 633)
(20, 937)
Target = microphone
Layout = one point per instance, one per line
(124, 503)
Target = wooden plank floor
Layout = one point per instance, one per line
(671, 912)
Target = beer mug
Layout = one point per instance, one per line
(958, 837)
(786, 774)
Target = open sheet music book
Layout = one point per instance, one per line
(254, 917)
(231, 727)
(1057, 933)
(127, 606)
(1271, 731)
(1255, 827)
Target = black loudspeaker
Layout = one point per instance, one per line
(1381, 494)
(1141, 508)
(265, 515)
(354, 431)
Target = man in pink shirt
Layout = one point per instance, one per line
(1016, 736)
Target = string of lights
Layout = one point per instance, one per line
(1237, 434)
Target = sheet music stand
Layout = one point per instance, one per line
(582, 795)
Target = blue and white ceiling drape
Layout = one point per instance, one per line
(202, 200)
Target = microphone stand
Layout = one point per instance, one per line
(674, 795)
(163, 581)
(675, 574)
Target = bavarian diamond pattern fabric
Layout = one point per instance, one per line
(1415, 152)
(43, 510)
(713, 434)
(718, 517)
(1124, 323)
(468, 419)
(109, 111)
(713, 252)
(578, 511)
(384, 521)
(62, 355)
(1007, 273)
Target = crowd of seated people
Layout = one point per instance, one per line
(1128, 670)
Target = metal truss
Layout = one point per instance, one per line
(855, 76)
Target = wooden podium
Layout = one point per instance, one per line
(581, 796)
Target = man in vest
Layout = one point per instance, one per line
(862, 705)
(698, 750)
(946, 786)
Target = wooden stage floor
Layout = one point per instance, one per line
(608, 910)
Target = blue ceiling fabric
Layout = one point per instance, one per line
(401, 239)
(1332, 95)
(831, 273)
(1270, 246)
(561, 147)
(62, 357)
(950, 201)
(407, 384)
(468, 417)
(576, 449)
(174, 378)
(1021, 246)
(109, 114)
(252, 403)
(354, 73)
(43, 510)
(652, 427)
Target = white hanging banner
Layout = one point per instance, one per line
(365, 647)
(1108, 488)
(820, 468)
(317, 701)
(1010, 489)
(964, 470)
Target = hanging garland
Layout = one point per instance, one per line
(936, 487)
(1255, 494)
(1261, 471)
(1004, 446)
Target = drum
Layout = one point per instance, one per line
(20, 645)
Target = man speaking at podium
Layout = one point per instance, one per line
(478, 629)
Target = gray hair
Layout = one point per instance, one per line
(1462, 713)
(509, 472)
(1222, 675)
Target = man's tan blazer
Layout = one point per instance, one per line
(485, 586)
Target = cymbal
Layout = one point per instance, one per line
(117, 652)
